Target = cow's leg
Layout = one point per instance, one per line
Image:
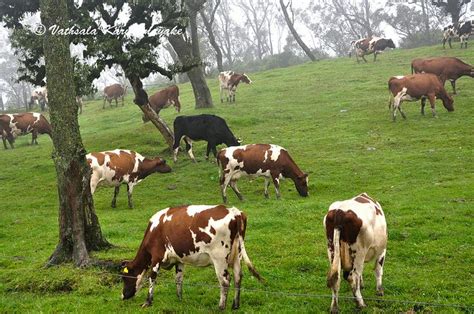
(210, 146)
(453, 84)
(375, 56)
(189, 148)
(4, 141)
(267, 184)
(423, 103)
(177, 139)
(114, 199)
(432, 100)
(379, 262)
(355, 277)
(223, 275)
(220, 94)
(363, 58)
(123, 101)
(34, 136)
(276, 183)
(129, 193)
(334, 285)
(401, 112)
(237, 269)
(224, 181)
(151, 289)
(449, 41)
(233, 185)
(103, 105)
(396, 103)
(179, 280)
(116, 103)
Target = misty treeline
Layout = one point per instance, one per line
(254, 35)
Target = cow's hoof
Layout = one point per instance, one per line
(146, 304)
(235, 306)
(380, 293)
(113, 205)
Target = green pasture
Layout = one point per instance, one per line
(333, 118)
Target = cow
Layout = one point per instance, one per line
(207, 127)
(198, 235)
(446, 68)
(463, 31)
(121, 166)
(114, 91)
(228, 82)
(39, 97)
(270, 161)
(367, 46)
(13, 125)
(356, 233)
(79, 103)
(414, 87)
(163, 99)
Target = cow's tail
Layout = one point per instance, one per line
(412, 70)
(334, 272)
(241, 244)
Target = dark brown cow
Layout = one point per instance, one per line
(259, 160)
(121, 166)
(12, 125)
(414, 87)
(446, 68)
(198, 235)
(114, 91)
(163, 99)
(356, 232)
(228, 81)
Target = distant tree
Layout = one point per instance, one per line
(225, 32)
(290, 21)
(83, 77)
(452, 7)
(208, 15)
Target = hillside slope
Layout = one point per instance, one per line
(333, 118)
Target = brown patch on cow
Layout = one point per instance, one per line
(100, 158)
(346, 221)
(122, 163)
(361, 199)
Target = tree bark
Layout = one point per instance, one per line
(79, 228)
(212, 39)
(202, 94)
(295, 34)
(141, 99)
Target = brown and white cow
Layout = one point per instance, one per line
(415, 87)
(228, 82)
(270, 161)
(446, 68)
(39, 97)
(13, 125)
(120, 166)
(367, 46)
(163, 99)
(198, 235)
(356, 232)
(114, 91)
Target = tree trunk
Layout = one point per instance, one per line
(79, 229)
(212, 41)
(141, 99)
(295, 34)
(426, 19)
(183, 49)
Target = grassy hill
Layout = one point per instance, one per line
(332, 116)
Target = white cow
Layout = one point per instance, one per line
(356, 232)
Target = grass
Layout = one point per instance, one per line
(332, 116)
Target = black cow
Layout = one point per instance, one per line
(204, 127)
(463, 31)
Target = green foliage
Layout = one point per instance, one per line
(332, 116)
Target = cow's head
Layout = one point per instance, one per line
(448, 103)
(390, 43)
(161, 166)
(132, 280)
(246, 79)
(301, 184)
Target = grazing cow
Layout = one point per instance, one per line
(463, 31)
(13, 125)
(356, 232)
(414, 87)
(119, 166)
(79, 103)
(367, 46)
(259, 160)
(163, 99)
(207, 127)
(114, 91)
(446, 68)
(228, 81)
(39, 97)
(197, 235)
